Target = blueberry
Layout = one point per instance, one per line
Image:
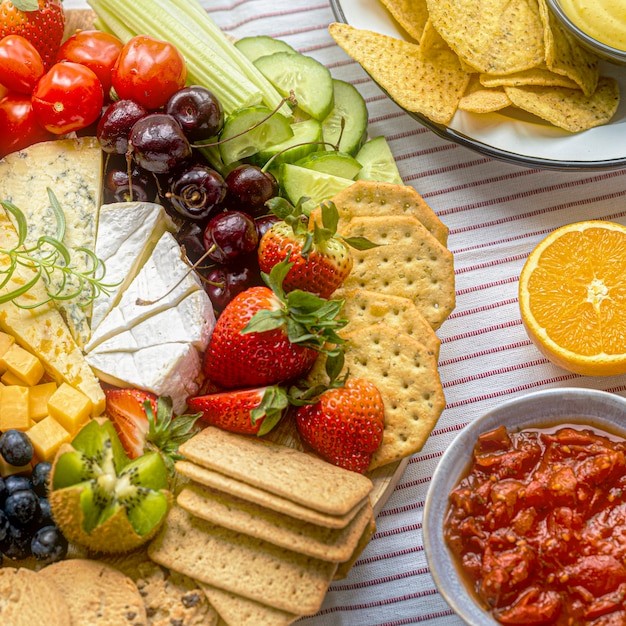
(16, 482)
(48, 544)
(16, 448)
(16, 545)
(45, 517)
(4, 526)
(22, 508)
(3, 490)
(39, 478)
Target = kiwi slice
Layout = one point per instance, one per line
(101, 499)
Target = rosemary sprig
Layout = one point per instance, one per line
(49, 258)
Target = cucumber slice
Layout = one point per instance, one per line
(310, 81)
(306, 137)
(260, 46)
(378, 162)
(298, 182)
(350, 105)
(245, 138)
(332, 162)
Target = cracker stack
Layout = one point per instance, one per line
(261, 527)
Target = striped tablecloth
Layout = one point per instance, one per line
(496, 214)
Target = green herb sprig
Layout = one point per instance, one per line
(48, 257)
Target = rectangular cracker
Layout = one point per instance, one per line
(236, 610)
(415, 271)
(373, 198)
(215, 480)
(405, 372)
(289, 473)
(346, 566)
(328, 544)
(238, 563)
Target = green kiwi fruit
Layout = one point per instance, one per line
(101, 499)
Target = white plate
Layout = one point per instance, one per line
(511, 135)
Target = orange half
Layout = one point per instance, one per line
(572, 296)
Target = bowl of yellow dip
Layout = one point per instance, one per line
(599, 25)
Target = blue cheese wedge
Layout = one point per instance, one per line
(152, 338)
(72, 169)
(42, 331)
(127, 234)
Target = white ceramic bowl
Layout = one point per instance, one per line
(546, 408)
(604, 51)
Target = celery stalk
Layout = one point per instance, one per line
(109, 22)
(206, 55)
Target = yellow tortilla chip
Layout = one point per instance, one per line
(425, 79)
(411, 15)
(480, 99)
(565, 56)
(569, 109)
(495, 36)
(541, 76)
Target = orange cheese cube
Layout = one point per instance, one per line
(14, 411)
(38, 396)
(70, 407)
(6, 469)
(47, 435)
(6, 341)
(22, 364)
(8, 378)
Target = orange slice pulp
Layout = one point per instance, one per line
(572, 296)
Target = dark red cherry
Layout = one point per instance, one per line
(197, 192)
(230, 236)
(249, 188)
(115, 125)
(198, 112)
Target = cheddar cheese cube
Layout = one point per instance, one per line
(6, 341)
(6, 469)
(70, 407)
(47, 435)
(23, 364)
(9, 378)
(14, 411)
(38, 396)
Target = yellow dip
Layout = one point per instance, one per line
(604, 20)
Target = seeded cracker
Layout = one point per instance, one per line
(241, 564)
(405, 372)
(493, 36)
(425, 78)
(569, 109)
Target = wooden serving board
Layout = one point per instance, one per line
(384, 478)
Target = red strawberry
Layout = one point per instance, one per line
(265, 336)
(42, 22)
(321, 258)
(247, 411)
(145, 422)
(345, 426)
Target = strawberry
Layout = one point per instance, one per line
(345, 425)
(42, 22)
(145, 422)
(265, 336)
(247, 411)
(321, 258)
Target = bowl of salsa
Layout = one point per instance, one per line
(525, 517)
(599, 25)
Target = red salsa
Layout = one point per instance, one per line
(538, 526)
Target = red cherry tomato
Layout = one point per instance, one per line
(148, 71)
(20, 64)
(95, 49)
(18, 126)
(68, 97)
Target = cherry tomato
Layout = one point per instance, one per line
(18, 126)
(68, 97)
(149, 71)
(20, 64)
(95, 49)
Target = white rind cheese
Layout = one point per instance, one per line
(153, 337)
(72, 169)
(127, 233)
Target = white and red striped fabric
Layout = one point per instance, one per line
(496, 214)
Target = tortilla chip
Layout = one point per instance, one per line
(425, 79)
(540, 76)
(565, 56)
(569, 109)
(411, 15)
(496, 36)
(480, 99)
